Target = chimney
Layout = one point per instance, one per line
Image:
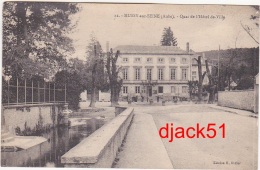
(107, 46)
(187, 47)
(203, 55)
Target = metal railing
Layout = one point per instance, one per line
(16, 92)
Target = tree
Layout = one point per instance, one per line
(74, 87)
(168, 38)
(201, 77)
(78, 66)
(253, 31)
(95, 65)
(35, 36)
(212, 87)
(193, 87)
(115, 82)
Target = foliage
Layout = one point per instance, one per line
(97, 57)
(74, 87)
(35, 36)
(95, 67)
(246, 83)
(193, 87)
(5, 91)
(168, 38)
(235, 65)
(79, 67)
(115, 82)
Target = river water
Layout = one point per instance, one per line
(48, 154)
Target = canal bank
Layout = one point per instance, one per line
(58, 141)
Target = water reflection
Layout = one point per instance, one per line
(48, 154)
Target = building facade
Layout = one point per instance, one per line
(156, 72)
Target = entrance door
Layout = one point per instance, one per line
(150, 91)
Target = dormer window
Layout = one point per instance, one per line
(173, 60)
(184, 60)
(149, 60)
(160, 60)
(137, 59)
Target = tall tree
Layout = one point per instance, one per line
(35, 35)
(193, 87)
(212, 86)
(95, 65)
(201, 77)
(240, 65)
(115, 82)
(72, 80)
(168, 38)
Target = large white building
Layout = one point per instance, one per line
(157, 71)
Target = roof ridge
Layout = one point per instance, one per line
(144, 49)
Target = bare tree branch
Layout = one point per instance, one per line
(248, 32)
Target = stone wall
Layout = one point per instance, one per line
(104, 96)
(242, 99)
(119, 109)
(28, 116)
(100, 148)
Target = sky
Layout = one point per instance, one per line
(201, 32)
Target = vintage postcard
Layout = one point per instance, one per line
(123, 85)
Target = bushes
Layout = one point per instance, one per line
(74, 87)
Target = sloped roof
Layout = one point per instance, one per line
(134, 49)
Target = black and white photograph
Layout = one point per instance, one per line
(129, 85)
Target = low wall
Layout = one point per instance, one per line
(119, 109)
(104, 96)
(30, 116)
(242, 99)
(100, 148)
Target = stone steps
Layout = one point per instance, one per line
(7, 139)
(6, 136)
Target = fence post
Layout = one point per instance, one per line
(49, 92)
(32, 91)
(65, 92)
(17, 91)
(8, 90)
(38, 92)
(44, 91)
(54, 91)
(25, 91)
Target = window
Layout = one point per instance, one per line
(184, 89)
(184, 60)
(149, 74)
(194, 75)
(184, 74)
(194, 61)
(125, 73)
(160, 74)
(137, 59)
(149, 60)
(160, 89)
(125, 60)
(172, 60)
(173, 74)
(137, 73)
(125, 89)
(160, 60)
(173, 89)
(137, 89)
